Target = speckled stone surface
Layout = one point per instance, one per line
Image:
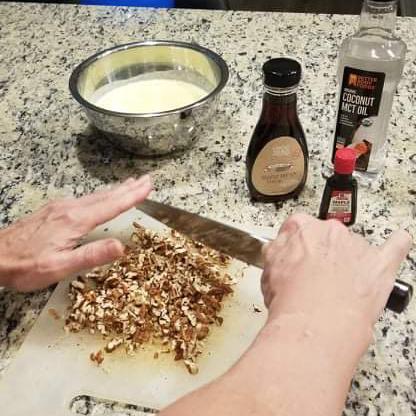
(48, 150)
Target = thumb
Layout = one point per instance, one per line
(392, 253)
(395, 250)
(91, 255)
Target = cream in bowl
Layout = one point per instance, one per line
(143, 94)
(150, 98)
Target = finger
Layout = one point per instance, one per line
(265, 288)
(101, 212)
(295, 222)
(291, 227)
(391, 255)
(265, 249)
(267, 253)
(103, 195)
(270, 250)
(395, 250)
(281, 239)
(89, 256)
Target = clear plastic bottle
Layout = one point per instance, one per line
(370, 67)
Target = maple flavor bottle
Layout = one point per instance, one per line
(370, 67)
(340, 195)
(277, 156)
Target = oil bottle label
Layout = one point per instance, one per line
(279, 167)
(358, 113)
(340, 206)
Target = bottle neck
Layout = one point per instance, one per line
(281, 94)
(280, 102)
(279, 108)
(378, 16)
(343, 178)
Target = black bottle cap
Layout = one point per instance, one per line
(400, 297)
(282, 73)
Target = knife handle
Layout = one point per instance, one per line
(400, 296)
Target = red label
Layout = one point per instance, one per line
(340, 206)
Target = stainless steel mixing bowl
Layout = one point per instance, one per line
(151, 134)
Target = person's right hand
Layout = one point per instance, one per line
(330, 276)
(324, 287)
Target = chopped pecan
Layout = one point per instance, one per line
(97, 357)
(165, 289)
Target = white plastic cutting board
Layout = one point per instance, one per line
(52, 368)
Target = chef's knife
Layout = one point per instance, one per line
(239, 244)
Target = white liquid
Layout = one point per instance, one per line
(138, 95)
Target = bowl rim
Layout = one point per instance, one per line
(73, 80)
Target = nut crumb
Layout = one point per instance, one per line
(97, 357)
(166, 289)
(113, 344)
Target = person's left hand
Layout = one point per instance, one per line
(41, 249)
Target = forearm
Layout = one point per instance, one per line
(295, 367)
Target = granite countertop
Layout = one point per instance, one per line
(49, 151)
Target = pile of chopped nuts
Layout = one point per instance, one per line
(167, 290)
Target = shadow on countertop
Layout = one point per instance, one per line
(106, 162)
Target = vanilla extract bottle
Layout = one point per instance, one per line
(339, 200)
(277, 156)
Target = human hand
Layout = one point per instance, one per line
(41, 249)
(324, 287)
(330, 276)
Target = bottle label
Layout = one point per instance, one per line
(279, 167)
(340, 206)
(358, 120)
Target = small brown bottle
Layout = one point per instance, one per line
(277, 157)
(339, 200)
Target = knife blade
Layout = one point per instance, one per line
(239, 244)
(212, 233)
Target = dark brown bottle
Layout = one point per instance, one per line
(339, 200)
(277, 157)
